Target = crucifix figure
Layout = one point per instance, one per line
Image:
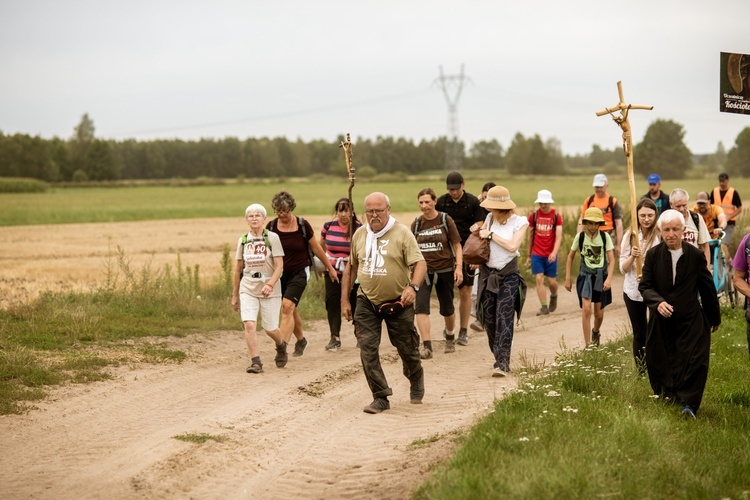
(627, 147)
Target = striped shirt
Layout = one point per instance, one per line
(337, 239)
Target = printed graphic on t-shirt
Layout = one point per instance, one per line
(379, 268)
(430, 240)
(255, 253)
(592, 253)
(690, 235)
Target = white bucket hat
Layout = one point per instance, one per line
(544, 196)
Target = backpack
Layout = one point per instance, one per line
(696, 220)
(301, 229)
(443, 224)
(610, 202)
(533, 233)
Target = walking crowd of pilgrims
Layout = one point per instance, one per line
(379, 270)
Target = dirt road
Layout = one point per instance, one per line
(297, 431)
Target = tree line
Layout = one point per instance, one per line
(84, 157)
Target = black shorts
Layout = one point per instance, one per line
(443, 284)
(468, 276)
(293, 285)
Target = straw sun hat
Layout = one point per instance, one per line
(498, 197)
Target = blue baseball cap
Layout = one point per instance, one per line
(654, 179)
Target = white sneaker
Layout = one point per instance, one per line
(497, 372)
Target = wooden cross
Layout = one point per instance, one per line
(627, 147)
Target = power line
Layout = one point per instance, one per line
(274, 116)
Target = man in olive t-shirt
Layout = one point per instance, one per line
(382, 253)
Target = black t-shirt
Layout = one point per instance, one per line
(465, 212)
(294, 244)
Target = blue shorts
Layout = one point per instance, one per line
(541, 265)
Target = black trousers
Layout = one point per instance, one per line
(333, 304)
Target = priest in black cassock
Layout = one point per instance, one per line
(678, 340)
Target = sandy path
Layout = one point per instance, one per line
(294, 431)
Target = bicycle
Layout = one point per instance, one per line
(722, 272)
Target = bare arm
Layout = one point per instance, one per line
(458, 274)
(417, 277)
(618, 235)
(236, 284)
(558, 242)
(511, 245)
(278, 268)
(568, 267)
(321, 254)
(528, 243)
(348, 278)
(740, 282)
(610, 269)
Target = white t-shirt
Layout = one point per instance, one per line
(695, 236)
(500, 257)
(259, 264)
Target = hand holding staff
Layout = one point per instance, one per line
(627, 148)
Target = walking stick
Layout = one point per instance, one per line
(627, 147)
(348, 158)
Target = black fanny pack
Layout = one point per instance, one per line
(390, 309)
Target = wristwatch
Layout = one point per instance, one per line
(414, 286)
(489, 236)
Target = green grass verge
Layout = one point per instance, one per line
(313, 196)
(588, 427)
(75, 337)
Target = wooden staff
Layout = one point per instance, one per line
(627, 147)
(348, 159)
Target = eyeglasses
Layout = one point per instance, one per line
(378, 211)
(254, 216)
(281, 212)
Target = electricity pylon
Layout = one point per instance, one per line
(452, 86)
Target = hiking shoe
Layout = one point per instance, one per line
(449, 346)
(688, 412)
(281, 356)
(476, 326)
(463, 337)
(255, 368)
(425, 353)
(416, 391)
(377, 406)
(299, 347)
(596, 337)
(334, 344)
(552, 303)
(498, 372)
(544, 311)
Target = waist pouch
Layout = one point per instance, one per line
(390, 309)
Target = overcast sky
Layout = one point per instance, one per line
(318, 68)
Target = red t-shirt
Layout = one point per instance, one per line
(544, 232)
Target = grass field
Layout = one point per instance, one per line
(69, 205)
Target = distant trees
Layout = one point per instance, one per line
(85, 157)
(532, 156)
(738, 158)
(663, 151)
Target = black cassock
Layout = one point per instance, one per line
(678, 348)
